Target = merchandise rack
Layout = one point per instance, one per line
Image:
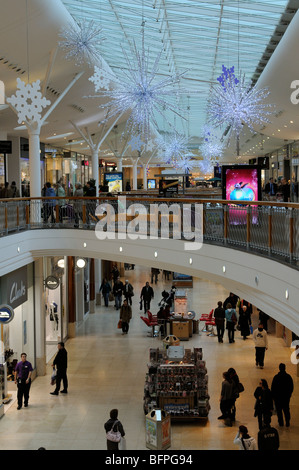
(178, 387)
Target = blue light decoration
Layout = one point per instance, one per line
(176, 152)
(235, 103)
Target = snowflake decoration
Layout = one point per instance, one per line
(140, 92)
(82, 43)
(235, 103)
(100, 79)
(28, 101)
(136, 143)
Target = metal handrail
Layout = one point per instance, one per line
(268, 228)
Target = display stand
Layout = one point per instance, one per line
(177, 382)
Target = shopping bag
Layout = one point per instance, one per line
(140, 305)
(119, 324)
(53, 376)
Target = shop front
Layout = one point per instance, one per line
(56, 323)
(17, 335)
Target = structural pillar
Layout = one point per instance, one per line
(95, 168)
(135, 175)
(92, 296)
(40, 327)
(71, 293)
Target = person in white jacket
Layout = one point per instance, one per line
(244, 441)
(260, 338)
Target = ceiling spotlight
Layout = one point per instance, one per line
(223, 269)
(155, 254)
(60, 263)
(287, 294)
(81, 263)
(120, 248)
(84, 245)
(190, 261)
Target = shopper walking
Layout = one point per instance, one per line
(268, 438)
(78, 204)
(237, 389)
(244, 440)
(244, 322)
(106, 289)
(147, 294)
(49, 204)
(226, 399)
(125, 316)
(282, 388)
(231, 320)
(22, 373)
(118, 292)
(260, 339)
(114, 425)
(60, 362)
(13, 190)
(263, 404)
(219, 315)
(128, 292)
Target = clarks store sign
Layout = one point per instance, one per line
(16, 287)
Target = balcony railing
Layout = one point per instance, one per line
(266, 228)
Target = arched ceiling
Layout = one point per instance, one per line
(258, 36)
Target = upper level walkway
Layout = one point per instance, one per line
(268, 229)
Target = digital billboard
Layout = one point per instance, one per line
(241, 183)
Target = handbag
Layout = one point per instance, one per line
(140, 305)
(119, 324)
(234, 318)
(111, 297)
(240, 387)
(113, 436)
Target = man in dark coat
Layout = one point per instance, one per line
(60, 362)
(282, 388)
(268, 438)
(147, 294)
(219, 315)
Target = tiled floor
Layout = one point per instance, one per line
(107, 370)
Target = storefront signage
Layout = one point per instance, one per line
(6, 146)
(52, 282)
(17, 287)
(6, 314)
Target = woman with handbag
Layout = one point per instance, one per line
(114, 431)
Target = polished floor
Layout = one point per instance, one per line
(107, 370)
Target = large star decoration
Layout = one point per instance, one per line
(236, 103)
(139, 91)
(82, 43)
(28, 101)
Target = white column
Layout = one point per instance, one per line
(120, 164)
(35, 173)
(144, 177)
(34, 163)
(39, 317)
(95, 168)
(135, 175)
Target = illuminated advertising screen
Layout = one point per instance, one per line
(151, 184)
(241, 183)
(114, 181)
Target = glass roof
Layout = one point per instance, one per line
(196, 36)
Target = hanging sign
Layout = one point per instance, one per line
(52, 282)
(6, 314)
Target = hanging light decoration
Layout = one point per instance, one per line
(236, 103)
(206, 166)
(176, 152)
(139, 91)
(212, 147)
(82, 43)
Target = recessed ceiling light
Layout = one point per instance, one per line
(155, 254)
